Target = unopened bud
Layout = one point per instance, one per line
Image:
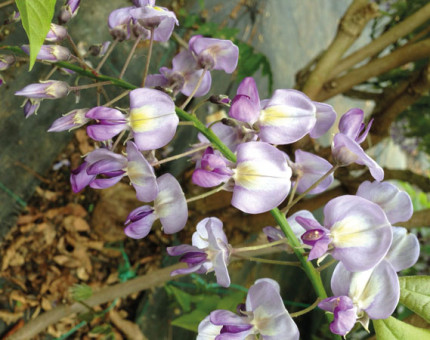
(6, 61)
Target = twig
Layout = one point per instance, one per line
(104, 295)
(148, 59)
(108, 52)
(419, 219)
(350, 28)
(306, 310)
(375, 68)
(399, 30)
(7, 3)
(31, 171)
(130, 55)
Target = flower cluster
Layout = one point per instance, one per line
(357, 230)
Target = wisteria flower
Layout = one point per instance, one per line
(103, 168)
(263, 315)
(346, 147)
(6, 61)
(183, 77)
(308, 169)
(71, 120)
(283, 119)
(56, 33)
(50, 89)
(152, 120)
(404, 250)
(356, 232)
(396, 204)
(69, 10)
(31, 106)
(371, 294)
(214, 54)
(51, 53)
(156, 18)
(209, 251)
(119, 22)
(170, 207)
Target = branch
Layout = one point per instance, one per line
(423, 182)
(350, 28)
(104, 295)
(419, 219)
(412, 92)
(375, 68)
(389, 37)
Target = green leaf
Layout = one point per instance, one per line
(231, 301)
(183, 298)
(101, 329)
(394, 329)
(36, 17)
(415, 294)
(191, 320)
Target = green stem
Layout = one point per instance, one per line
(73, 330)
(260, 246)
(258, 259)
(306, 310)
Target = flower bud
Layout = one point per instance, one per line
(51, 53)
(51, 89)
(71, 120)
(68, 11)
(99, 50)
(13, 18)
(220, 99)
(56, 33)
(6, 60)
(30, 106)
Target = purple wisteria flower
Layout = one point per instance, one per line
(283, 119)
(356, 232)
(404, 250)
(346, 147)
(170, 207)
(69, 10)
(50, 89)
(263, 315)
(209, 251)
(371, 294)
(396, 204)
(149, 17)
(260, 181)
(119, 22)
(56, 33)
(214, 54)
(183, 77)
(71, 120)
(6, 61)
(30, 106)
(103, 168)
(212, 170)
(51, 53)
(309, 168)
(152, 120)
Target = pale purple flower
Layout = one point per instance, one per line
(360, 296)
(112, 166)
(51, 53)
(31, 106)
(156, 18)
(212, 170)
(69, 10)
(346, 147)
(56, 33)
(207, 331)
(170, 207)
(119, 22)
(71, 120)
(283, 119)
(109, 123)
(264, 314)
(142, 3)
(355, 232)
(396, 204)
(50, 89)
(209, 251)
(404, 250)
(309, 168)
(6, 61)
(152, 118)
(214, 54)
(183, 77)
(261, 178)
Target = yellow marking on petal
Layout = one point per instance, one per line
(349, 232)
(273, 114)
(141, 119)
(254, 175)
(158, 8)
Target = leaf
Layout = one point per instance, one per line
(394, 329)
(415, 294)
(231, 301)
(36, 17)
(183, 298)
(191, 320)
(81, 292)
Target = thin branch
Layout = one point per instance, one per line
(153, 279)
(130, 55)
(423, 182)
(7, 3)
(420, 218)
(350, 28)
(399, 30)
(148, 59)
(375, 68)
